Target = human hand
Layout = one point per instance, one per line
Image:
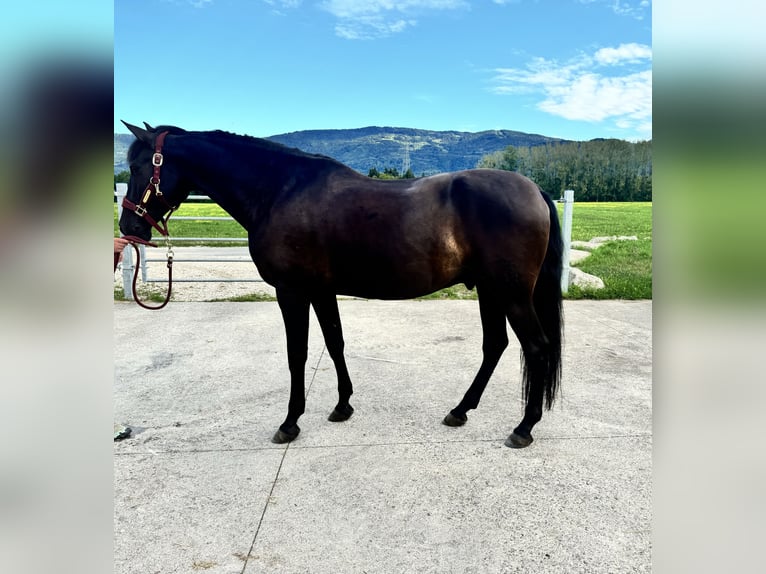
(120, 243)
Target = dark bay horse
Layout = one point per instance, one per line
(318, 229)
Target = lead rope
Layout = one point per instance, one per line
(134, 241)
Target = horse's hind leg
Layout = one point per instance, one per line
(534, 346)
(326, 308)
(492, 308)
(295, 313)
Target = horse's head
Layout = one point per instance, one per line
(156, 186)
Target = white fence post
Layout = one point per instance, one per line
(127, 253)
(566, 232)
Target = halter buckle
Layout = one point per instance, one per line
(140, 211)
(157, 159)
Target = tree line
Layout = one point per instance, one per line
(597, 170)
(390, 173)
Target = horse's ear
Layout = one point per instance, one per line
(140, 133)
(148, 127)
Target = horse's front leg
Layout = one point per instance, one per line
(295, 313)
(326, 308)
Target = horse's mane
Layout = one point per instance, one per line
(224, 136)
(268, 145)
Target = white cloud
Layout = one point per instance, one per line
(614, 87)
(538, 73)
(631, 53)
(634, 8)
(278, 7)
(365, 28)
(283, 3)
(351, 8)
(594, 98)
(363, 19)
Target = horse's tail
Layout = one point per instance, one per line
(548, 307)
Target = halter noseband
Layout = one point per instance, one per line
(153, 190)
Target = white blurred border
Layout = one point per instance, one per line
(55, 296)
(710, 328)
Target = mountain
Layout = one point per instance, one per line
(381, 147)
(121, 144)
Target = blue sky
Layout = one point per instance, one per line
(576, 69)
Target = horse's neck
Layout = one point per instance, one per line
(242, 184)
(219, 191)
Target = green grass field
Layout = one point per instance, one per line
(182, 228)
(612, 218)
(625, 266)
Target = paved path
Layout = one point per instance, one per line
(200, 487)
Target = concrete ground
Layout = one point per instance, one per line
(199, 487)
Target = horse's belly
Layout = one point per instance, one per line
(402, 278)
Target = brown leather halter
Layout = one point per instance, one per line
(152, 191)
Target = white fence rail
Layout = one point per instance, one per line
(128, 266)
(566, 233)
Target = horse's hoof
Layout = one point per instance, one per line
(518, 441)
(340, 414)
(282, 437)
(452, 421)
